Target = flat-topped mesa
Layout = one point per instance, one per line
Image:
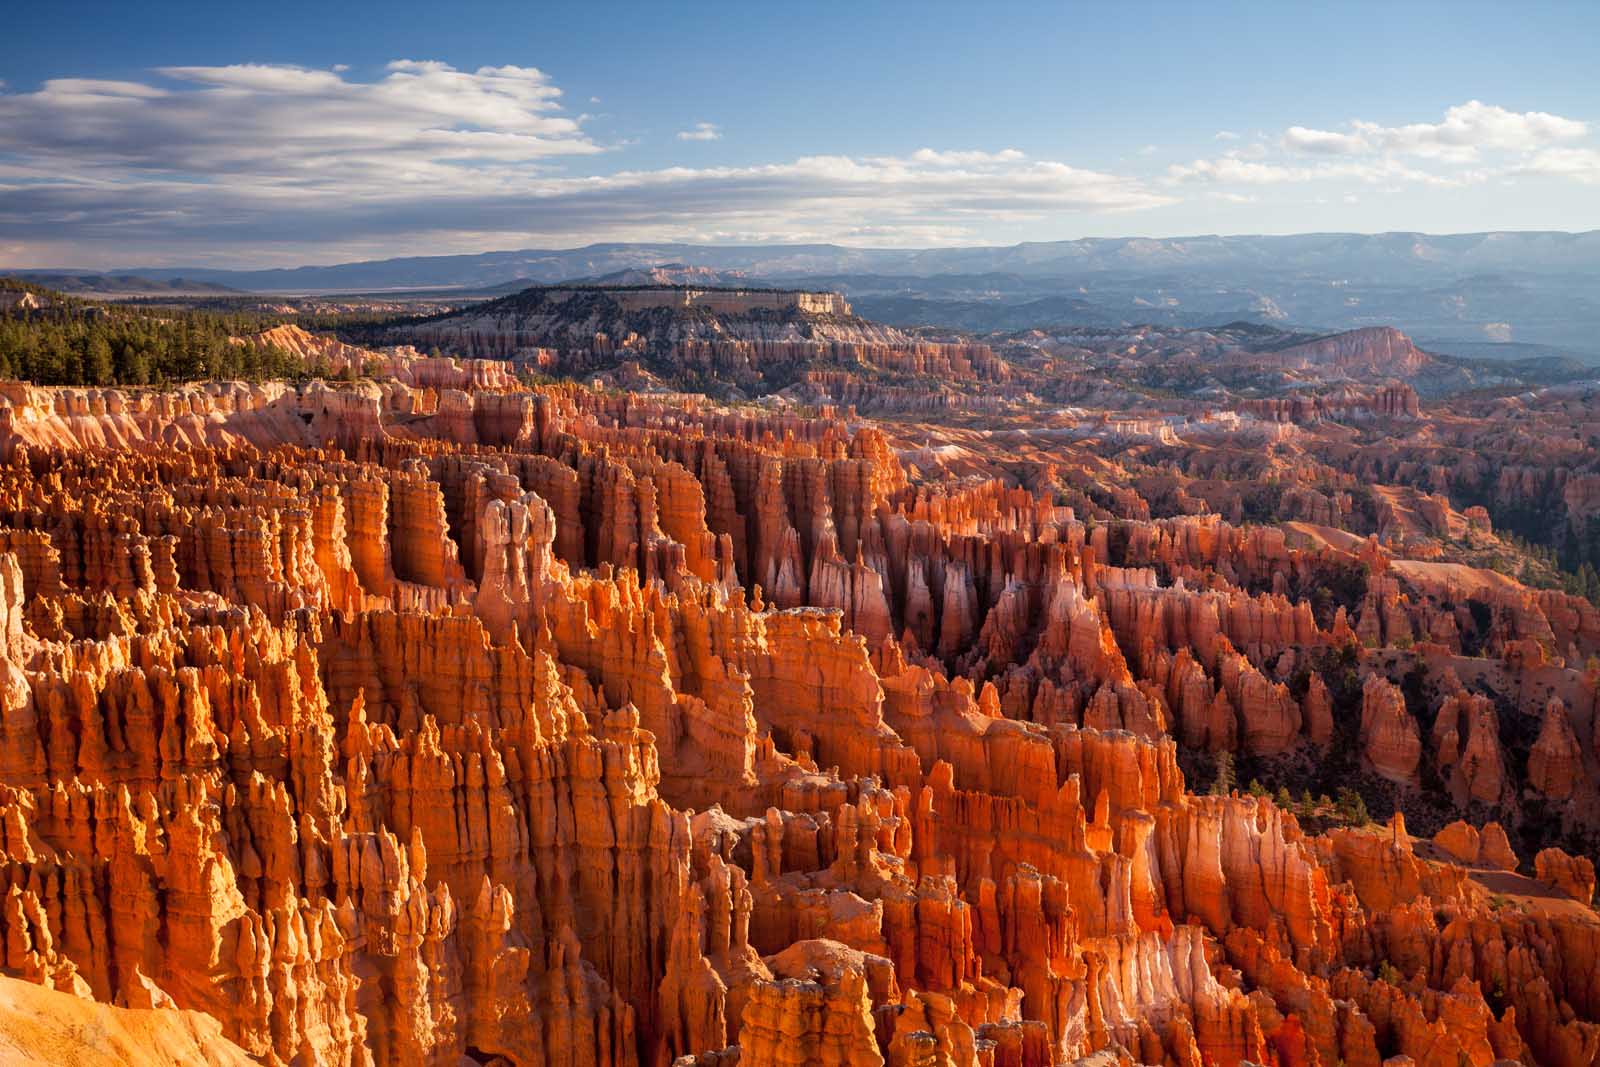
(718, 301)
(403, 364)
(1372, 350)
(753, 340)
(1349, 403)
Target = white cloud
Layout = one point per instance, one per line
(701, 131)
(66, 92)
(1467, 130)
(255, 158)
(1582, 164)
(956, 159)
(1300, 139)
(1474, 143)
(1231, 170)
(292, 128)
(265, 160)
(262, 78)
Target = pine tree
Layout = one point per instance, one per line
(1223, 784)
(98, 366)
(1353, 807)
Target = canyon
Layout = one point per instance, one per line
(943, 708)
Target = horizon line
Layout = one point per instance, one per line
(180, 265)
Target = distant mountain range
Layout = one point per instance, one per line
(1482, 289)
(121, 284)
(1385, 257)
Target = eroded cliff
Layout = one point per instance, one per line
(409, 723)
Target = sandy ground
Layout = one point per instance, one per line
(1532, 895)
(1457, 577)
(40, 1026)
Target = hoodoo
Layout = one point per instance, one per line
(438, 716)
(718, 630)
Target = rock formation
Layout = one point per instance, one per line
(435, 719)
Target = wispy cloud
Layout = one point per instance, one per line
(1582, 164)
(1232, 170)
(260, 158)
(965, 159)
(1301, 139)
(1466, 130)
(701, 131)
(279, 162)
(1471, 144)
(292, 126)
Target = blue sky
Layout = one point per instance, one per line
(289, 133)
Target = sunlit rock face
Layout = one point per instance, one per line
(434, 719)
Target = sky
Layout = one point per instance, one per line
(165, 134)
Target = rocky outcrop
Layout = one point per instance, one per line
(1389, 735)
(416, 724)
(1573, 875)
(1379, 350)
(750, 339)
(818, 1008)
(1348, 404)
(1555, 765)
(1466, 747)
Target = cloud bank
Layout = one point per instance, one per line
(1473, 143)
(262, 155)
(283, 164)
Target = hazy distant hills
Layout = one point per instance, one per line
(1537, 288)
(1387, 257)
(121, 284)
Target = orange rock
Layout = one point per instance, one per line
(1494, 849)
(1460, 840)
(1555, 765)
(1573, 875)
(818, 1008)
(1466, 742)
(1390, 739)
(435, 718)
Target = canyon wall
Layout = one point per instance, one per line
(390, 722)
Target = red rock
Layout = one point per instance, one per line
(1390, 739)
(1466, 741)
(1573, 875)
(449, 723)
(1460, 841)
(1494, 849)
(1555, 766)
